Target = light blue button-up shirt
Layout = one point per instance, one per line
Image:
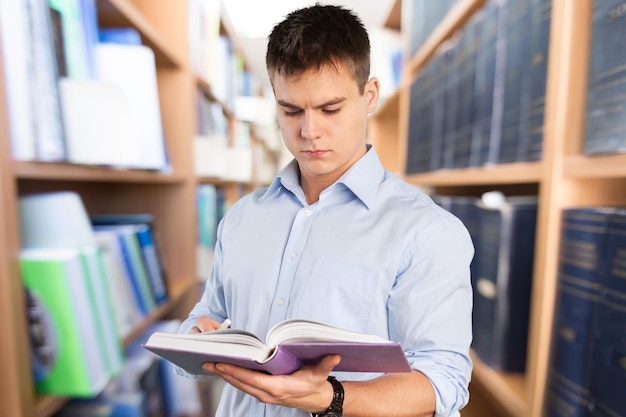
(374, 254)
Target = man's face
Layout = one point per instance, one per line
(323, 118)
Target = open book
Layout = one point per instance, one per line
(289, 345)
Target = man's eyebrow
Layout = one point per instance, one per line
(331, 102)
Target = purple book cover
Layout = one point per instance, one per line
(356, 357)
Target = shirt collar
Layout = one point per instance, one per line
(363, 178)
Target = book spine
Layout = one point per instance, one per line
(514, 286)
(136, 271)
(515, 79)
(505, 246)
(46, 101)
(541, 11)
(609, 354)
(100, 299)
(579, 292)
(154, 268)
(606, 113)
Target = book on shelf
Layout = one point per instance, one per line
(505, 241)
(608, 360)
(126, 308)
(59, 221)
(135, 265)
(288, 346)
(579, 290)
(98, 123)
(606, 114)
(587, 367)
(149, 243)
(531, 145)
(133, 69)
(30, 71)
(79, 33)
(77, 364)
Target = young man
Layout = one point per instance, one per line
(336, 238)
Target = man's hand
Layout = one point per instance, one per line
(204, 324)
(306, 389)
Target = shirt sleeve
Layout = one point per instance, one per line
(430, 310)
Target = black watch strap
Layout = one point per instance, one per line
(336, 406)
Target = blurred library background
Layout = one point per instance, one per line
(128, 128)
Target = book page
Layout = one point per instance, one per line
(297, 330)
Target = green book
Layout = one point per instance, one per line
(108, 338)
(56, 281)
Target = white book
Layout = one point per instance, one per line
(99, 124)
(132, 68)
(16, 56)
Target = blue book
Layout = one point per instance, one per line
(418, 146)
(152, 261)
(516, 80)
(484, 84)
(452, 105)
(579, 292)
(608, 361)
(606, 112)
(504, 271)
(127, 36)
(540, 21)
(466, 58)
(440, 63)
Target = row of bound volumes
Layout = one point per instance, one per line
(503, 231)
(147, 386)
(76, 94)
(481, 99)
(89, 283)
(587, 372)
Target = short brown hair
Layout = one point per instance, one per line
(318, 36)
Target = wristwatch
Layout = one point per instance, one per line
(336, 406)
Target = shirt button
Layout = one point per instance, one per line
(280, 302)
(307, 213)
(292, 255)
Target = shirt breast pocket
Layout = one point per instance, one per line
(339, 294)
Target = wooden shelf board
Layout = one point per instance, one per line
(517, 173)
(122, 13)
(600, 166)
(507, 389)
(73, 172)
(219, 182)
(453, 21)
(47, 406)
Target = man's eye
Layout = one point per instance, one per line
(292, 113)
(331, 111)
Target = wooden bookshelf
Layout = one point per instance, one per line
(169, 196)
(564, 178)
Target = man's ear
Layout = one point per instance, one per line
(372, 90)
